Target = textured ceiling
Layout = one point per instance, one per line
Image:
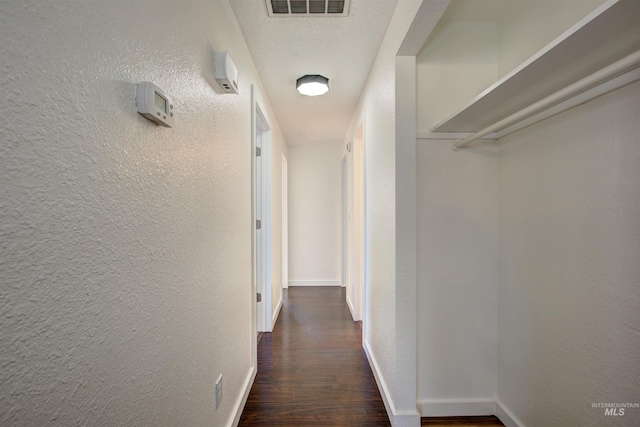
(340, 48)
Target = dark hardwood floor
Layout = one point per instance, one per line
(491, 421)
(312, 370)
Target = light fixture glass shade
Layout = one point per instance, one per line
(312, 85)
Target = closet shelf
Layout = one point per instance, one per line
(606, 35)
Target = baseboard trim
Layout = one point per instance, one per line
(276, 313)
(398, 419)
(507, 418)
(350, 305)
(242, 399)
(454, 408)
(382, 386)
(462, 408)
(315, 283)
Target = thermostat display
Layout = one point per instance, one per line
(161, 103)
(154, 104)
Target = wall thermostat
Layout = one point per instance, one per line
(225, 72)
(154, 104)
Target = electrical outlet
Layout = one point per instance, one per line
(218, 391)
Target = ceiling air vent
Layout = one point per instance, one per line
(309, 8)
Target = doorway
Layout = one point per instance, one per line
(261, 183)
(285, 223)
(354, 223)
(345, 228)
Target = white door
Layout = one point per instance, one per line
(358, 223)
(259, 215)
(262, 224)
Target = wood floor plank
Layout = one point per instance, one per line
(483, 421)
(312, 370)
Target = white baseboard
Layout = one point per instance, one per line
(242, 399)
(405, 419)
(315, 283)
(453, 408)
(397, 419)
(350, 305)
(507, 418)
(276, 313)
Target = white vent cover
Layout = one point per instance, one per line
(307, 8)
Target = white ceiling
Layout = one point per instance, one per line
(340, 48)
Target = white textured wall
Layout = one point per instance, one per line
(125, 248)
(457, 276)
(315, 218)
(377, 109)
(457, 63)
(569, 283)
(457, 230)
(526, 27)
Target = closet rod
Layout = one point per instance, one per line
(609, 72)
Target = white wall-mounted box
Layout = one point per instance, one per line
(225, 72)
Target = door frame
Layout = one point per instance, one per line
(354, 229)
(260, 210)
(285, 222)
(345, 223)
(359, 229)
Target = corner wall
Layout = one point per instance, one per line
(457, 278)
(354, 211)
(569, 281)
(278, 148)
(125, 248)
(457, 230)
(385, 329)
(552, 216)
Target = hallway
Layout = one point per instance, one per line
(501, 278)
(312, 370)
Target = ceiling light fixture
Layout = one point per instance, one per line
(312, 85)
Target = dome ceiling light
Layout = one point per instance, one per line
(312, 85)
